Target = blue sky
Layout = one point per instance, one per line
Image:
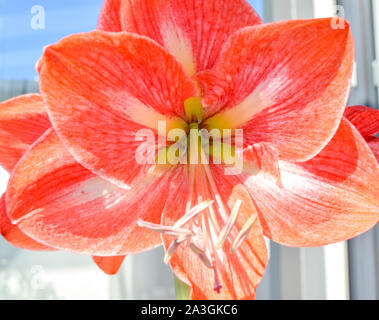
(21, 46)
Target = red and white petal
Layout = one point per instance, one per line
(110, 265)
(238, 273)
(194, 31)
(365, 119)
(102, 88)
(263, 157)
(333, 197)
(110, 18)
(56, 201)
(214, 86)
(288, 84)
(373, 143)
(23, 120)
(14, 235)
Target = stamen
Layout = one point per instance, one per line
(172, 248)
(243, 233)
(201, 254)
(193, 213)
(229, 225)
(192, 186)
(215, 191)
(205, 190)
(167, 230)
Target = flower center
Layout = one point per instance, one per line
(194, 110)
(207, 227)
(210, 138)
(200, 141)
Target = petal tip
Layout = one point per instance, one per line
(109, 265)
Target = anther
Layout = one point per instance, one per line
(167, 230)
(201, 254)
(172, 248)
(243, 233)
(229, 225)
(193, 213)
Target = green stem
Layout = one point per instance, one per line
(182, 291)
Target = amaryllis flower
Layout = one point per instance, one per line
(22, 121)
(308, 179)
(366, 120)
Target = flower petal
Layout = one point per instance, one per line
(288, 84)
(265, 158)
(110, 265)
(194, 31)
(14, 235)
(365, 119)
(102, 88)
(238, 273)
(55, 200)
(333, 197)
(373, 143)
(111, 16)
(22, 121)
